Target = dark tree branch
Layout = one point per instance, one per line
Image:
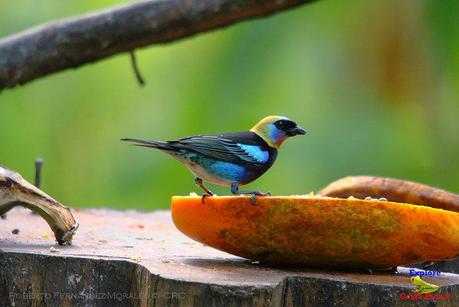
(72, 42)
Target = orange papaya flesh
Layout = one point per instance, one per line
(320, 231)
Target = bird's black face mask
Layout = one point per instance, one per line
(289, 127)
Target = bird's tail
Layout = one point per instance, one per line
(152, 144)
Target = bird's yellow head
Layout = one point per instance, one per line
(274, 130)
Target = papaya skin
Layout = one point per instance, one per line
(320, 231)
(396, 190)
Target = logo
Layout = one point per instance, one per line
(424, 291)
(422, 286)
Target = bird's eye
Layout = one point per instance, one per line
(284, 125)
(280, 124)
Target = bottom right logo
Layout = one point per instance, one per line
(424, 291)
(422, 286)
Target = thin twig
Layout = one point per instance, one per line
(137, 73)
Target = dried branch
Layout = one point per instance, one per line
(16, 191)
(72, 42)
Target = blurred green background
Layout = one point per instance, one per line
(376, 84)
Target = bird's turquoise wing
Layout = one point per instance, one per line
(249, 153)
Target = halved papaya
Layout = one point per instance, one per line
(320, 231)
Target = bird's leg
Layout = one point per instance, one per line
(235, 190)
(198, 182)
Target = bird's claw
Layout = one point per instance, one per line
(253, 197)
(204, 197)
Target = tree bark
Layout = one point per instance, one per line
(72, 42)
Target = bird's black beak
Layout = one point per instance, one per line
(296, 131)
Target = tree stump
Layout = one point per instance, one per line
(124, 258)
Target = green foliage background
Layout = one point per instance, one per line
(376, 84)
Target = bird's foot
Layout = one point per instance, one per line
(255, 194)
(207, 192)
(204, 196)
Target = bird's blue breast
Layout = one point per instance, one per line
(228, 171)
(253, 161)
(214, 171)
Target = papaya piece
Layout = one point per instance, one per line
(401, 191)
(319, 231)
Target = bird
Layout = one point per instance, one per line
(229, 159)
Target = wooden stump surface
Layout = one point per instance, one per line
(123, 258)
